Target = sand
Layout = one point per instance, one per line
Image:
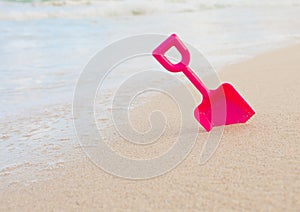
(256, 166)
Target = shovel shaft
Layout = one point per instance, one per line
(196, 81)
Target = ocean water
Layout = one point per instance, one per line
(45, 44)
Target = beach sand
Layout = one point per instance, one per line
(256, 166)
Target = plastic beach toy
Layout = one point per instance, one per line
(225, 98)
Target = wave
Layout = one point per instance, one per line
(74, 9)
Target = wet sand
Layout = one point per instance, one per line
(256, 166)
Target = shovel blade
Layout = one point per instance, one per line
(224, 106)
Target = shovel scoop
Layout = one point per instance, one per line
(222, 106)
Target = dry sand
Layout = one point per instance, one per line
(256, 166)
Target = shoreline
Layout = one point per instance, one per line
(253, 167)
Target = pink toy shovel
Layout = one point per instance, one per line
(225, 98)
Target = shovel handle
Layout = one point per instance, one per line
(159, 54)
(174, 41)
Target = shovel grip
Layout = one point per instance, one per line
(183, 66)
(172, 41)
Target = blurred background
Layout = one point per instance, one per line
(44, 44)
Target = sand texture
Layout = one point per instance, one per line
(256, 166)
